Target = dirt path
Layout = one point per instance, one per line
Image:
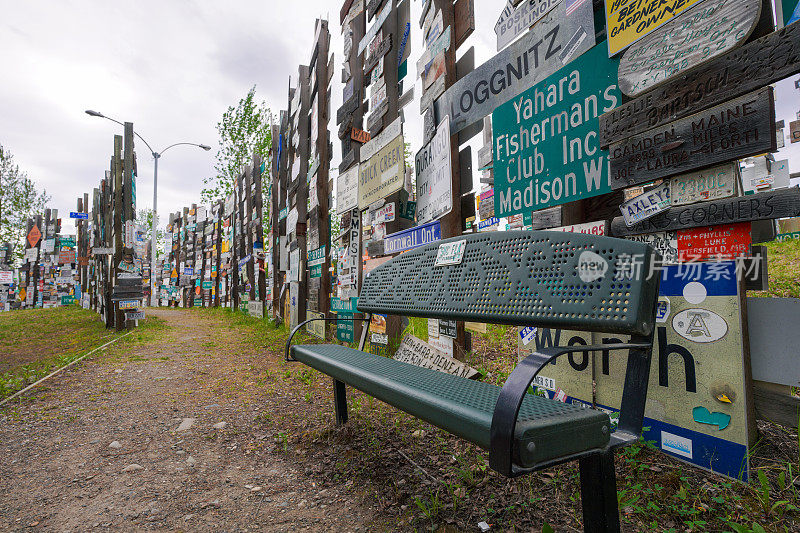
(144, 436)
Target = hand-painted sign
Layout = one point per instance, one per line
(516, 20)
(376, 26)
(553, 42)
(726, 241)
(709, 184)
(360, 136)
(420, 353)
(698, 361)
(412, 238)
(434, 176)
(701, 33)
(735, 129)
(382, 174)
(627, 22)
(545, 140)
(762, 206)
(646, 205)
(79, 216)
(734, 74)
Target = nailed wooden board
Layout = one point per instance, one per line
(752, 66)
(739, 128)
(464, 15)
(382, 49)
(763, 206)
(699, 34)
(516, 19)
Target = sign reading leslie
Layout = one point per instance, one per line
(627, 21)
(554, 41)
(434, 186)
(703, 32)
(736, 129)
(545, 140)
(382, 174)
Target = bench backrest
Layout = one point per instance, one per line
(524, 278)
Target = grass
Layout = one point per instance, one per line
(783, 259)
(35, 342)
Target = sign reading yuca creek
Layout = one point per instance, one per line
(554, 41)
(766, 60)
(382, 174)
(627, 21)
(703, 32)
(545, 139)
(739, 128)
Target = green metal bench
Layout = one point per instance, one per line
(521, 278)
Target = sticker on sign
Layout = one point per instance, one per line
(527, 335)
(451, 253)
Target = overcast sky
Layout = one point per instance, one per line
(172, 68)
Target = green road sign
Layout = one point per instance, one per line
(545, 140)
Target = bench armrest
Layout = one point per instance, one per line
(504, 419)
(288, 358)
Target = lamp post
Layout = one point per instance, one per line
(156, 157)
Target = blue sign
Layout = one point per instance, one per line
(483, 224)
(243, 261)
(188, 271)
(79, 216)
(412, 238)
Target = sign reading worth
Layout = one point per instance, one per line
(545, 139)
(627, 21)
(434, 186)
(736, 129)
(701, 33)
(697, 400)
(418, 352)
(554, 41)
(382, 174)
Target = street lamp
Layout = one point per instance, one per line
(156, 157)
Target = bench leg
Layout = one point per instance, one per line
(340, 402)
(599, 493)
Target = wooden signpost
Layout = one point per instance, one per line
(739, 128)
(763, 206)
(766, 60)
(553, 42)
(697, 35)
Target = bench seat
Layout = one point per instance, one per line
(462, 406)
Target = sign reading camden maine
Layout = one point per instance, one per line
(545, 139)
(434, 187)
(733, 130)
(412, 238)
(382, 174)
(554, 41)
(703, 32)
(752, 66)
(709, 184)
(514, 21)
(762, 206)
(627, 22)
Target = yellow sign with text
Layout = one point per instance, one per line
(628, 21)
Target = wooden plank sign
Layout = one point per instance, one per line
(464, 20)
(516, 20)
(710, 184)
(557, 39)
(418, 352)
(763, 206)
(627, 22)
(360, 135)
(382, 174)
(732, 130)
(699, 34)
(747, 68)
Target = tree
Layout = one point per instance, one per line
(19, 200)
(145, 217)
(243, 132)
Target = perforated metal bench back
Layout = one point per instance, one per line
(541, 278)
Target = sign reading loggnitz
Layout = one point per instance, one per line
(736, 129)
(554, 41)
(545, 140)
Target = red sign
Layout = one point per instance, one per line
(66, 256)
(34, 235)
(714, 242)
(360, 135)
